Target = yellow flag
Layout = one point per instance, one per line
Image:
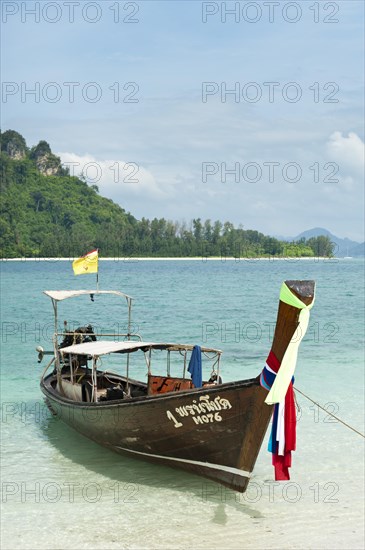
(86, 264)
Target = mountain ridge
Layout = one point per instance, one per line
(343, 245)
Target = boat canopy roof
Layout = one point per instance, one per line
(60, 295)
(103, 347)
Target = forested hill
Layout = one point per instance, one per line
(45, 212)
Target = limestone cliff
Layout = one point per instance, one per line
(47, 163)
(13, 144)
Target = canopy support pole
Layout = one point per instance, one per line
(129, 302)
(55, 343)
(94, 381)
(184, 373)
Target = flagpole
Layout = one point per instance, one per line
(97, 274)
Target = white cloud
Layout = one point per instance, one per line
(115, 178)
(348, 152)
(172, 186)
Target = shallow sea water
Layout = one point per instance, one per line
(60, 490)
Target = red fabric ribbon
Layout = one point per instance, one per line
(282, 463)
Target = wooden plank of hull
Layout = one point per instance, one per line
(233, 478)
(221, 450)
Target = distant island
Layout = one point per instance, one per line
(45, 212)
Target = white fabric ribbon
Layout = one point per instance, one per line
(288, 364)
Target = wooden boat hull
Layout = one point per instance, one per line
(215, 432)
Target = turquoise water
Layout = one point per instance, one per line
(60, 490)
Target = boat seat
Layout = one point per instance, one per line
(164, 384)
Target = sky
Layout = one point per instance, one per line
(248, 112)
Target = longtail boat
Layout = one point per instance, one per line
(194, 422)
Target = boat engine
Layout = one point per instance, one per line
(78, 336)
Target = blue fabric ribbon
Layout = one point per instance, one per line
(267, 379)
(195, 367)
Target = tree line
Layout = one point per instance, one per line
(62, 216)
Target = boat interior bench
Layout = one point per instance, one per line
(164, 384)
(109, 387)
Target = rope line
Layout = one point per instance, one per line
(331, 414)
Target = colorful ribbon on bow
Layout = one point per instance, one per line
(278, 379)
(283, 431)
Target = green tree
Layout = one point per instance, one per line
(321, 246)
(197, 229)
